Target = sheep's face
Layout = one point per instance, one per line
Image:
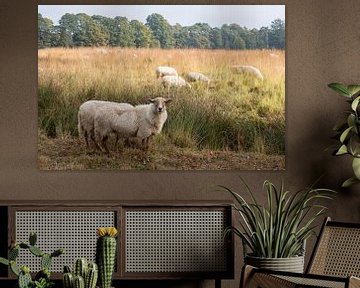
(159, 104)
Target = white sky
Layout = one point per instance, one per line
(250, 16)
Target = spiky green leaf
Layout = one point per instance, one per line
(341, 89)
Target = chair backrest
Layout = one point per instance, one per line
(337, 251)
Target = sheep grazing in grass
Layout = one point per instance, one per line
(197, 76)
(246, 69)
(141, 121)
(165, 71)
(86, 117)
(174, 81)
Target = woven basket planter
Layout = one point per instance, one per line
(291, 264)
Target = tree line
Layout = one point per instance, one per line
(82, 30)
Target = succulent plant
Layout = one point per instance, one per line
(106, 254)
(42, 278)
(79, 282)
(85, 275)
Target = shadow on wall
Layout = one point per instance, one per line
(331, 170)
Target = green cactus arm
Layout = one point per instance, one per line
(57, 252)
(80, 267)
(24, 245)
(36, 251)
(14, 268)
(24, 280)
(68, 280)
(13, 253)
(45, 261)
(79, 282)
(4, 261)
(91, 276)
(67, 269)
(32, 238)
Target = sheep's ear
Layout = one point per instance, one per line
(151, 100)
(167, 101)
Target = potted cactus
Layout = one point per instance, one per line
(85, 275)
(42, 278)
(106, 254)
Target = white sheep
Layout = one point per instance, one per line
(86, 116)
(141, 121)
(165, 71)
(247, 69)
(197, 76)
(174, 81)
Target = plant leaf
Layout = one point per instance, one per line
(356, 167)
(355, 103)
(4, 261)
(345, 134)
(342, 150)
(340, 88)
(353, 89)
(351, 181)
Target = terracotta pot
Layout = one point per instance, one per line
(291, 264)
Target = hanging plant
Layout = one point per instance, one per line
(348, 132)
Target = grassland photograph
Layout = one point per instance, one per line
(159, 88)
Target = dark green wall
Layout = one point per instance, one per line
(323, 46)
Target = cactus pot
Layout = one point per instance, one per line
(291, 264)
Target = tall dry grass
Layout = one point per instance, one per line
(234, 113)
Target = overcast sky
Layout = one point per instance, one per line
(250, 16)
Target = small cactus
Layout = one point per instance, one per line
(23, 273)
(79, 282)
(80, 268)
(24, 277)
(105, 254)
(68, 280)
(89, 272)
(91, 276)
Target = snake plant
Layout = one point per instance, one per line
(279, 228)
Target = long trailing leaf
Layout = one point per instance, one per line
(249, 190)
(341, 89)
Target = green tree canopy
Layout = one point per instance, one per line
(46, 32)
(161, 30)
(82, 30)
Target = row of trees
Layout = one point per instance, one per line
(76, 30)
